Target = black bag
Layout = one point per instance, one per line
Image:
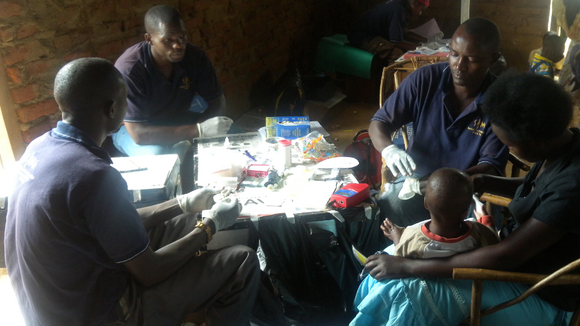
(289, 98)
(370, 161)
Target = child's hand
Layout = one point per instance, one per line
(391, 231)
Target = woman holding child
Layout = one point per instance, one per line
(530, 114)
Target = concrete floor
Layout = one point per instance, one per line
(345, 119)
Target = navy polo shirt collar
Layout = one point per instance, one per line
(65, 131)
(177, 74)
(447, 82)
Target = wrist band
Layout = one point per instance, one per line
(206, 229)
(199, 130)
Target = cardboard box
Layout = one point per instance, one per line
(287, 127)
(151, 179)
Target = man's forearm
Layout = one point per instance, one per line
(152, 216)
(483, 168)
(380, 135)
(145, 134)
(152, 267)
(415, 38)
(215, 108)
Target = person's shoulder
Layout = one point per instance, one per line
(432, 73)
(132, 57)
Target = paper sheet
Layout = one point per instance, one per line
(428, 29)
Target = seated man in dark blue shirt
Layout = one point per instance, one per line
(170, 81)
(79, 253)
(444, 103)
(383, 29)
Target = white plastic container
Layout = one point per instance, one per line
(285, 153)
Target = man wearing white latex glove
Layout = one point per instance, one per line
(398, 161)
(224, 213)
(443, 103)
(157, 251)
(197, 200)
(214, 126)
(173, 90)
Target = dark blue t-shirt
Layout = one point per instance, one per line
(69, 228)
(552, 198)
(439, 140)
(387, 20)
(152, 97)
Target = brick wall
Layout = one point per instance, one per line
(245, 39)
(250, 42)
(521, 22)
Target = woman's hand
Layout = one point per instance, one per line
(385, 266)
(478, 184)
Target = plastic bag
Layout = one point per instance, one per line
(314, 147)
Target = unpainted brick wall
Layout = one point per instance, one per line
(521, 22)
(245, 39)
(250, 42)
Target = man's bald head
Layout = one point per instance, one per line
(485, 31)
(86, 85)
(161, 15)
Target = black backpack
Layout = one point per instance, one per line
(288, 95)
(370, 161)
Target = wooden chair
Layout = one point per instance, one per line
(395, 73)
(559, 277)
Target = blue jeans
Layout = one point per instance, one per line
(124, 143)
(402, 212)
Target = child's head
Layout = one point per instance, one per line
(553, 46)
(448, 196)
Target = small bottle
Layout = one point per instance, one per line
(285, 153)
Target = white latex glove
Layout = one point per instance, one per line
(214, 126)
(224, 213)
(197, 200)
(411, 187)
(398, 160)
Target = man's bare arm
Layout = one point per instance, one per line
(380, 135)
(146, 134)
(152, 267)
(415, 38)
(215, 108)
(406, 46)
(483, 168)
(152, 216)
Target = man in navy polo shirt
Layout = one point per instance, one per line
(79, 253)
(170, 82)
(443, 101)
(384, 28)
